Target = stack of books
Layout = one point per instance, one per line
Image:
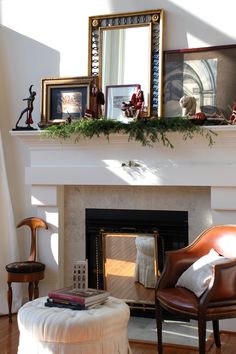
(76, 299)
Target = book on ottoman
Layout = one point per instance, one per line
(85, 297)
(64, 304)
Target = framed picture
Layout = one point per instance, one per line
(116, 96)
(208, 74)
(73, 97)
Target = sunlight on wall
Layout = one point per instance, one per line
(195, 42)
(35, 201)
(137, 173)
(61, 26)
(52, 219)
(54, 247)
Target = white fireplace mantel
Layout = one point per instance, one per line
(98, 161)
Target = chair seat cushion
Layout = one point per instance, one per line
(179, 299)
(25, 267)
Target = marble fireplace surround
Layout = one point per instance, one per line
(67, 177)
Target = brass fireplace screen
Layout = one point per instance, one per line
(130, 266)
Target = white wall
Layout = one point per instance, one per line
(49, 38)
(45, 38)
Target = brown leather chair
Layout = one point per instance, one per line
(29, 271)
(219, 299)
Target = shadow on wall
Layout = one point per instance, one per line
(178, 20)
(23, 62)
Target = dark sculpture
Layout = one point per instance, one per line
(28, 110)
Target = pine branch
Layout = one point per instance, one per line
(147, 132)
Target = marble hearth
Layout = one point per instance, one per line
(68, 177)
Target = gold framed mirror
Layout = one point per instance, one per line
(130, 267)
(127, 49)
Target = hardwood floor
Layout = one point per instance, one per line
(9, 336)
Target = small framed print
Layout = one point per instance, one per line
(116, 95)
(67, 97)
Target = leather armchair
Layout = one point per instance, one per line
(219, 299)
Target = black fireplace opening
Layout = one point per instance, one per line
(171, 226)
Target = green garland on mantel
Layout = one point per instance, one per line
(147, 132)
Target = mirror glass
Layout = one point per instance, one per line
(126, 59)
(126, 50)
(130, 267)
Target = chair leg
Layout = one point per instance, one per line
(36, 289)
(216, 332)
(159, 327)
(30, 290)
(9, 300)
(202, 335)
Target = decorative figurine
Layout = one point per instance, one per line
(137, 100)
(28, 110)
(100, 103)
(188, 105)
(128, 109)
(135, 106)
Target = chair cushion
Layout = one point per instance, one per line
(186, 302)
(25, 267)
(179, 299)
(198, 276)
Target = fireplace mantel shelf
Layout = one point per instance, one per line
(34, 136)
(118, 161)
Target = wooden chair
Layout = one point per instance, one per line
(29, 271)
(218, 301)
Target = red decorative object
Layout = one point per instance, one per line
(199, 115)
(232, 117)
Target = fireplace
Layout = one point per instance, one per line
(129, 229)
(66, 178)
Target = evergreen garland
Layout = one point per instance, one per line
(147, 132)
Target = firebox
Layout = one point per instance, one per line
(126, 251)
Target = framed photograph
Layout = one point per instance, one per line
(208, 74)
(116, 96)
(73, 97)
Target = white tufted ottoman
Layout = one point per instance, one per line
(51, 330)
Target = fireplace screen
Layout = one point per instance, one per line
(130, 266)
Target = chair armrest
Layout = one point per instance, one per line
(176, 262)
(222, 288)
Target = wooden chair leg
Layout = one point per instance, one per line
(202, 335)
(216, 332)
(9, 300)
(159, 327)
(30, 290)
(36, 289)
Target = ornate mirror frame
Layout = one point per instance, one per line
(154, 18)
